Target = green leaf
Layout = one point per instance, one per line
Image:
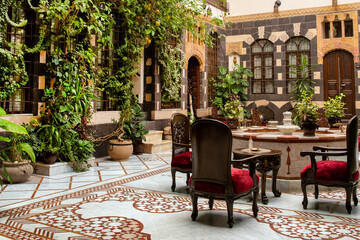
(12, 127)
(4, 139)
(2, 111)
(28, 149)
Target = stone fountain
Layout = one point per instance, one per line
(287, 128)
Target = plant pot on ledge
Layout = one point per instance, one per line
(120, 149)
(309, 128)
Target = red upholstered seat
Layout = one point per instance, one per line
(330, 171)
(359, 142)
(182, 160)
(242, 182)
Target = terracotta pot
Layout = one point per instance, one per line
(49, 157)
(19, 172)
(120, 150)
(309, 128)
(333, 122)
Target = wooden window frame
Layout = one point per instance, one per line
(263, 79)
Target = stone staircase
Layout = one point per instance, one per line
(154, 142)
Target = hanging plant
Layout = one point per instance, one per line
(171, 60)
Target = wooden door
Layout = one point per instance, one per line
(193, 82)
(339, 78)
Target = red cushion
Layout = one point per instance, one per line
(359, 142)
(182, 160)
(330, 171)
(242, 182)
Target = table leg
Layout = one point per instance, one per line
(264, 198)
(276, 192)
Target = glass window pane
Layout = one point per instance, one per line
(257, 87)
(257, 61)
(289, 86)
(326, 29)
(257, 73)
(292, 59)
(268, 73)
(268, 60)
(269, 87)
(268, 47)
(256, 48)
(305, 45)
(337, 29)
(291, 46)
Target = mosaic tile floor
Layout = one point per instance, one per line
(133, 200)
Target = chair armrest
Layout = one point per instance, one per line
(245, 160)
(324, 154)
(182, 144)
(317, 148)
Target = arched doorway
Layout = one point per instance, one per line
(194, 82)
(339, 78)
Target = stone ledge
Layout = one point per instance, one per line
(56, 168)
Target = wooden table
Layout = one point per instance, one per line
(270, 160)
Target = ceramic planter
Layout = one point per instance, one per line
(120, 150)
(19, 172)
(309, 128)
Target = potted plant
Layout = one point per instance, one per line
(334, 110)
(231, 85)
(51, 140)
(135, 130)
(121, 148)
(15, 166)
(234, 112)
(307, 112)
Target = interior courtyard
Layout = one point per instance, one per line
(178, 85)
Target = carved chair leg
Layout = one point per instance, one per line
(254, 206)
(230, 205)
(349, 191)
(173, 180)
(187, 179)
(211, 203)
(305, 200)
(355, 196)
(316, 193)
(194, 200)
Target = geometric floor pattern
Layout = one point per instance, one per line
(133, 200)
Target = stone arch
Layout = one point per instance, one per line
(199, 56)
(338, 46)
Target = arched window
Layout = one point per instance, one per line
(295, 47)
(262, 66)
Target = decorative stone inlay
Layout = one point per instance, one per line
(244, 64)
(278, 48)
(42, 57)
(297, 29)
(148, 62)
(234, 48)
(358, 89)
(41, 82)
(261, 32)
(311, 33)
(279, 90)
(278, 62)
(358, 73)
(249, 40)
(357, 104)
(284, 37)
(262, 102)
(317, 89)
(280, 76)
(317, 75)
(148, 79)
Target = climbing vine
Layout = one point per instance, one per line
(172, 60)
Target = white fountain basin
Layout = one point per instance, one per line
(288, 130)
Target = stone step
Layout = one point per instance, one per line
(153, 136)
(156, 147)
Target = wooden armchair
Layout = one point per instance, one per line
(255, 117)
(334, 173)
(181, 154)
(213, 177)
